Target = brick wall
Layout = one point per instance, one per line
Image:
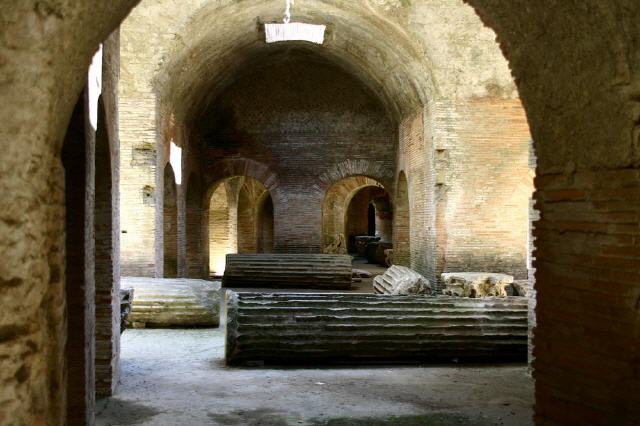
(336, 204)
(250, 193)
(300, 129)
(416, 163)
(484, 185)
(402, 224)
(586, 262)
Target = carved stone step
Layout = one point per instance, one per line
(177, 302)
(327, 271)
(358, 328)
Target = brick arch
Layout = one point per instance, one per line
(336, 202)
(232, 167)
(348, 168)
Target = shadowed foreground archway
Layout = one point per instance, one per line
(576, 65)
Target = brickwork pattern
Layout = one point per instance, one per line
(107, 225)
(484, 185)
(78, 158)
(336, 203)
(402, 221)
(302, 139)
(415, 160)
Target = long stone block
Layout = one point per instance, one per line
(173, 302)
(349, 328)
(326, 271)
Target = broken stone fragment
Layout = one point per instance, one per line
(477, 284)
(400, 280)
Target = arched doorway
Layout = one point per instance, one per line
(345, 211)
(368, 213)
(239, 219)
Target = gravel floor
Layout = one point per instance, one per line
(178, 377)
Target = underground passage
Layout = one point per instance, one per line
(320, 212)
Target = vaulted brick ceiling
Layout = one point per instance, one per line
(367, 39)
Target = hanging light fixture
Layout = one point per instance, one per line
(293, 31)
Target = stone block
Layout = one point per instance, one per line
(316, 329)
(327, 271)
(180, 302)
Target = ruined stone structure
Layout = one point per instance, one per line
(109, 172)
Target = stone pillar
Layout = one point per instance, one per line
(313, 328)
(78, 157)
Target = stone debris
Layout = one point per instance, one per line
(477, 284)
(178, 302)
(400, 280)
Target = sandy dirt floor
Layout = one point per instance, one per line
(178, 377)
